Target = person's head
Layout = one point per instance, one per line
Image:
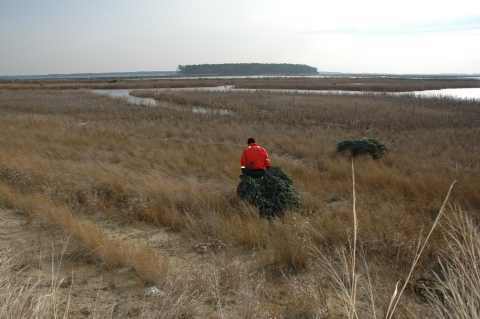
(251, 140)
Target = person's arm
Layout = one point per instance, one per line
(243, 161)
(267, 160)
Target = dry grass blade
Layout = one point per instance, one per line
(353, 288)
(369, 286)
(32, 299)
(396, 297)
(458, 294)
(347, 289)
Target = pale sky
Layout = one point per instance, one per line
(66, 36)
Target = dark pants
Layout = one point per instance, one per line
(255, 173)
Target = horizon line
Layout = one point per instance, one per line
(153, 73)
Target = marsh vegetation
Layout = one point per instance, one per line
(345, 83)
(148, 193)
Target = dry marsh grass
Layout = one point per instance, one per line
(360, 83)
(30, 300)
(457, 294)
(72, 159)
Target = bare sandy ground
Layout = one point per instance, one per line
(45, 259)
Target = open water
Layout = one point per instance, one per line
(471, 93)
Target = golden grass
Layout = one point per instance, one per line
(124, 83)
(349, 83)
(457, 294)
(71, 158)
(90, 242)
(30, 300)
(361, 83)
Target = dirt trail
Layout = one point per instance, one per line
(43, 257)
(93, 291)
(13, 230)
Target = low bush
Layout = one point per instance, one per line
(272, 195)
(363, 146)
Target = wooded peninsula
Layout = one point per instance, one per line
(246, 69)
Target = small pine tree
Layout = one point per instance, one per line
(363, 146)
(272, 195)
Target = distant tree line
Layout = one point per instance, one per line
(245, 69)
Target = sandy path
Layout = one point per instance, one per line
(13, 230)
(93, 291)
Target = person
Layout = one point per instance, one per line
(254, 160)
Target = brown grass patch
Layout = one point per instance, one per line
(72, 159)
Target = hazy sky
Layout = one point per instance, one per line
(67, 36)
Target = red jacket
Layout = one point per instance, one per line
(254, 157)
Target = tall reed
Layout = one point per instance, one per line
(457, 294)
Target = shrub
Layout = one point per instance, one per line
(363, 146)
(272, 195)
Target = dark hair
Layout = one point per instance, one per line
(251, 140)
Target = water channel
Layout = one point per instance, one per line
(467, 93)
(125, 93)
